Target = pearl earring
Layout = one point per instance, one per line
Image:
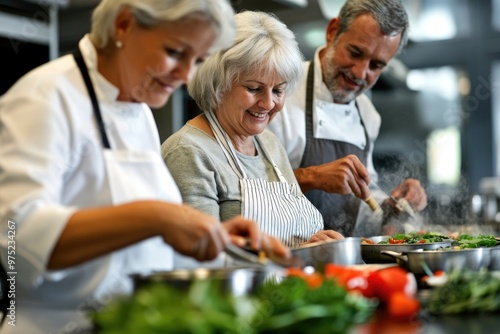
(119, 44)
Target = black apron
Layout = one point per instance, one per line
(339, 211)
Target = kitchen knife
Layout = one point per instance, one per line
(402, 203)
(273, 264)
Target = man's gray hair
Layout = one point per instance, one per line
(150, 13)
(263, 45)
(390, 15)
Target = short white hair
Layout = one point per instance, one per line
(150, 13)
(263, 44)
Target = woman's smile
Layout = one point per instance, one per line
(260, 116)
(168, 88)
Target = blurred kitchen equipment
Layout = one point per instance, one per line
(485, 205)
(495, 258)
(414, 261)
(373, 253)
(318, 254)
(234, 280)
(402, 203)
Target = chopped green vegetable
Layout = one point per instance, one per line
(470, 241)
(466, 292)
(415, 238)
(297, 308)
(286, 307)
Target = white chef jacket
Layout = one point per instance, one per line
(51, 163)
(330, 121)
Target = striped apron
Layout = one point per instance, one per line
(279, 208)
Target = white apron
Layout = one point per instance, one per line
(279, 208)
(132, 175)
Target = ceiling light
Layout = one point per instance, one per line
(330, 8)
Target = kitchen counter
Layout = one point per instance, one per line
(430, 324)
(423, 324)
(426, 323)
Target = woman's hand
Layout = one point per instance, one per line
(240, 230)
(325, 235)
(203, 237)
(194, 233)
(187, 230)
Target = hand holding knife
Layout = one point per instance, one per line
(402, 203)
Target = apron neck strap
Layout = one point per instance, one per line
(225, 144)
(95, 104)
(309, 112)
(230, 151)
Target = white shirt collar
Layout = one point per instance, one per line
(320, 89)
(105, 90)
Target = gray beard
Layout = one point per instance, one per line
(343, 96)
(339, 94)
(331, 77)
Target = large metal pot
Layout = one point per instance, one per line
(420, 262)
(373, 253)
(234, 280)
(318, 254)
(495, 258)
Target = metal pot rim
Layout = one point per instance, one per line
(320, 243)
(196, 273)
(447, 251)
(416, 245)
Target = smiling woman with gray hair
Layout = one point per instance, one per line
(82, 184)
(224, 161)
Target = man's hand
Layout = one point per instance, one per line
(412, 191)
(343, 176)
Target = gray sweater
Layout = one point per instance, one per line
(205, 178)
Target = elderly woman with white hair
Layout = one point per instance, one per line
(224, 161)
(85, 198)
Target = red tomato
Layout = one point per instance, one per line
(297, 272)
(314, 280)
(386, 282)
(438, 273)
(340, 274)
(402, 306)
(351, 279)
(396, 241)
(360, 284)
(332, 270)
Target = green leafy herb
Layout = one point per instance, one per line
(470, 241)
(286, 307)
(297, 308)
(415, 238)
(467, 292)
